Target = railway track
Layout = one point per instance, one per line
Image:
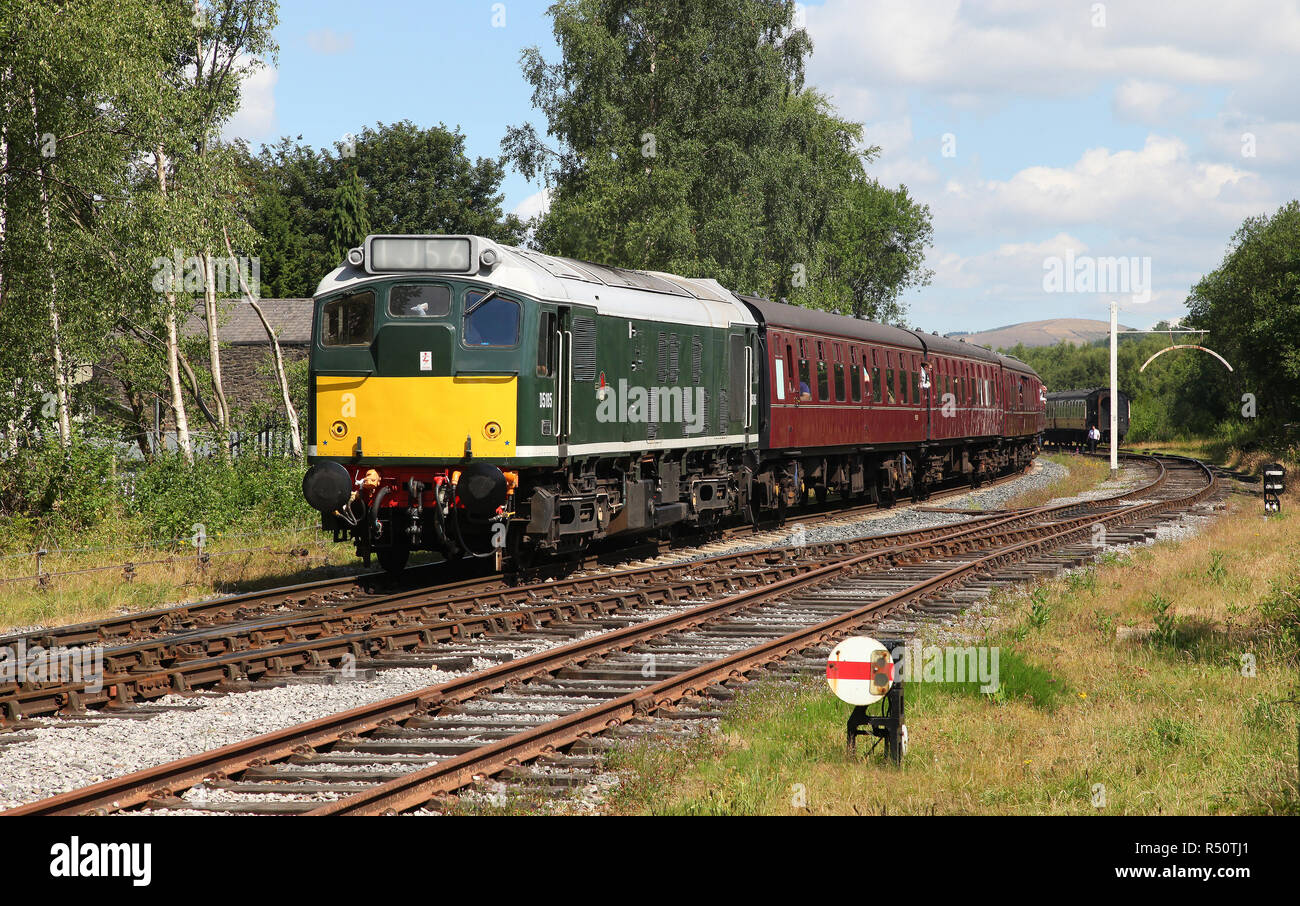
(417, 748)
(233, 643)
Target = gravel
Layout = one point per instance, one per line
(61, 754)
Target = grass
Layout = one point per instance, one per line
(1160, 681)
(236, 564)
(1084, 472)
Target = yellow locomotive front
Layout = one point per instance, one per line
(414, 382)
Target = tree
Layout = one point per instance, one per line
(421, 181)
(75, 77)
(685, 140)
(412, 180)
(348, 221)
(1251, 306)
(875, 249)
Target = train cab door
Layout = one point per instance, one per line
(752, 351)
(559, 325)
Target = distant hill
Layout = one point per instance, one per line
(1079, 331)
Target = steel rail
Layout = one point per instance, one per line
(275, 647)
(424, 784)
(138, 787)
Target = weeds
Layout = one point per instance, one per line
(1040, 610)
(1166, 621)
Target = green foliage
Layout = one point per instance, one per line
(311, 206)
(1251, 306)
(1166, 621)
(64, 488)
(687, 142)
(1040, 608)
(52, 495)
(349, 223)
(874, 251)
(172, 497)
(1280, 609)
(1217, 572)
(1018, 680)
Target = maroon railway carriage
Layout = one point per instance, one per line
(867, 409)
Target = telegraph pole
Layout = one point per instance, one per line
(1114, 381)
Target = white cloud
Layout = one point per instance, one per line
(537, 203)
(256, 119)
(977, 52)
(329, 41)
(1141, 101)
(1142, 191)
(1019, 80)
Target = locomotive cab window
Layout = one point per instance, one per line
(490, 320)
(419, 300)
(348, 320)
(545, 344)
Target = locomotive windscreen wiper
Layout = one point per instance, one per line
(475, 307)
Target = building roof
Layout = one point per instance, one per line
(239, 325)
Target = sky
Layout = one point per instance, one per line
(1051, 140)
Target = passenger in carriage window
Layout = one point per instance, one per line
(805, 388)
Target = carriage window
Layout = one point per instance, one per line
(778, 381)
(823, 382)
(855, 382)
(839, 381)
(491, 321)
(902, 383)
(348, 321)
(419, 300)
(876, 392)
(916, 387)
(805, 389)
(889, 384)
